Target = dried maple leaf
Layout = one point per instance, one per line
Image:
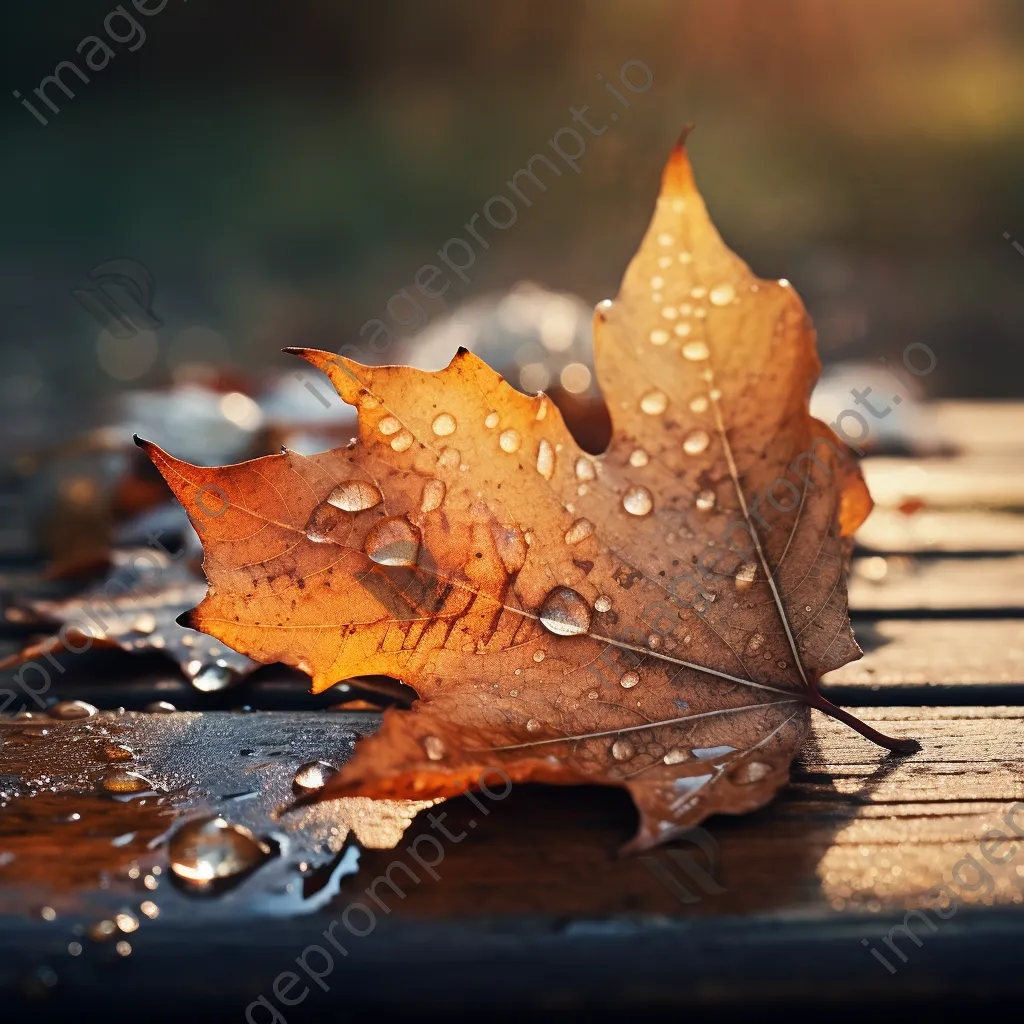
(657, 617)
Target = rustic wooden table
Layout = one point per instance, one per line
(873, 882)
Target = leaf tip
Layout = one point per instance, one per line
(677, 178)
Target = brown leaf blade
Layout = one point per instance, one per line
(656, 617)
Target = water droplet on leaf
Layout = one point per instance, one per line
(393, 541)
(565, 612)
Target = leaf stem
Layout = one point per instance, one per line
(897, 746)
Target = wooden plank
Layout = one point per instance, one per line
(943, 531)
(944, 653)
(533, 888)
(897, 584)
(975, 481)
(982, 427)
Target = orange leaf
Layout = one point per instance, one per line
(656, 617)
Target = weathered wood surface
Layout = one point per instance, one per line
(908, 586)
(533, 913)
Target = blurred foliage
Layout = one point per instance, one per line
(282, 170)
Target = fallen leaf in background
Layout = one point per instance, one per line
(135, 608)
(656, 617)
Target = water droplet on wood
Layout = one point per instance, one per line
(210, 850)
(70, 710)
(603, 604)
(313, 775)
(629, 679)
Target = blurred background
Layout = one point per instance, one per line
(250, 178)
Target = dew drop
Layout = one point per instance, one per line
(149, 908)
(745, 576)
(538, 656)
(603, 604)
(654, 642)
(389, 425)
(533, 725)
(145, 623)
(639, 458)
(750, 772)
(449, 458)
(696, 442)
(120, 781)
(657, 282)
(444, 424)
(637, 501)
(585, 469)
(160, 707)
(565, 612)
(665, 239)
(392, 540)
(682, 330)
(722, 294)
(622, 750)
(676, 757)
(670, 312)
(213, 678)
(402, 442)
(755, 643)
(705, 501)
(491, 420)
(664, 261)
(659, 337)
(433, 495)
(593, 695)
(807, 608)
(579, 531)
(654, 403)
(434, 747)
(698, 291)
(699, 404)
(118, 752)
(511, 546)
(313, 775)
(509, 440)
(715, 394)
(696, 349)
(69, 710)
(354, 496)
(628, 680)
(205, 851)
(545, 459)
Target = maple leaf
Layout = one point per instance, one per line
(657, 617)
